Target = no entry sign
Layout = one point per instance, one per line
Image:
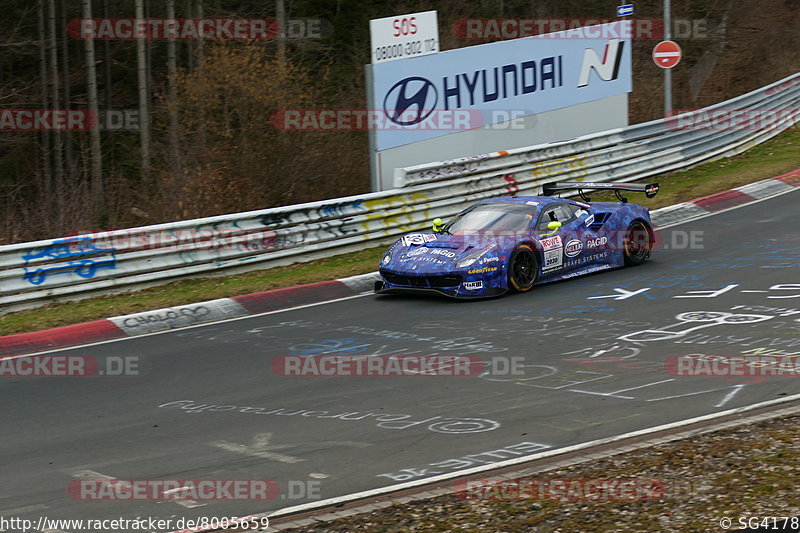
(667, 54)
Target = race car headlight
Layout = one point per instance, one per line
(388, 255)
(470, 259)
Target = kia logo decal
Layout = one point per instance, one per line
(406, 94)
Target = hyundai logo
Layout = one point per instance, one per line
(408, 93)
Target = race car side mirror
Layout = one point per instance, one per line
(553, 225)
(438, 225)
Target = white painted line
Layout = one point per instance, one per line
(712, 213)
(79, 346)
(91, 474)
(731, 394)
(189, 504)
(615, 394)
(518, 460)
(23, 510)
(260, 447)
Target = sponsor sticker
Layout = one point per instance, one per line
(573, 248)
(587, 270)
(483, 270)
(596, 243)
(473, 285)
(438, 251)
(552, 259)
(590, 220)
(417, 251)
(587, 259)
(418, 238)
(551, 243)
(427, 260)
(553, 248)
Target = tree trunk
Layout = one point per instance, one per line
(107, 86)
(280, 14)
(144, 111)
(172, 99)
(198, 9)
(148, 48)
(98, 187)
(56, 202)
(200, 42)
(47, 177)
(190, 44)
(70, 159)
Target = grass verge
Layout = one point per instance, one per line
(734, 474)
(778, 156)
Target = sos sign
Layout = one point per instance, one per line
(404, 26)
(404, 36)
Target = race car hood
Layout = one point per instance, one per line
(437, 251)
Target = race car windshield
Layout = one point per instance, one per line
(493, 217)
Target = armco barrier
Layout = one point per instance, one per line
(633, 152)
(38, 272)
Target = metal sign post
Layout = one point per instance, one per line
(667, 71)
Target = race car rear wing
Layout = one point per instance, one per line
(649, 189)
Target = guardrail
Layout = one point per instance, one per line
(639, 151)
(39, 272)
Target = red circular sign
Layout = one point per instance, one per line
(667, 54)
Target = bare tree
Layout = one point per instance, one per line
(172, 99)
(280, 14)
(56, 201)
(198, 9)
(70, 165)
(98, 188)
(46, 173)
(190, 44)
(107, 87)
(144, 111)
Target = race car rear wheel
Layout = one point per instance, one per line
(522, 268)
(637, 243)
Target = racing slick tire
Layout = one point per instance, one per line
(523, 268)
(637, 244)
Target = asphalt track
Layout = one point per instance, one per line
(591, 370)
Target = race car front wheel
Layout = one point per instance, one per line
(522, 268)
(637, 243)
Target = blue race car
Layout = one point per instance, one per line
(513, 243)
